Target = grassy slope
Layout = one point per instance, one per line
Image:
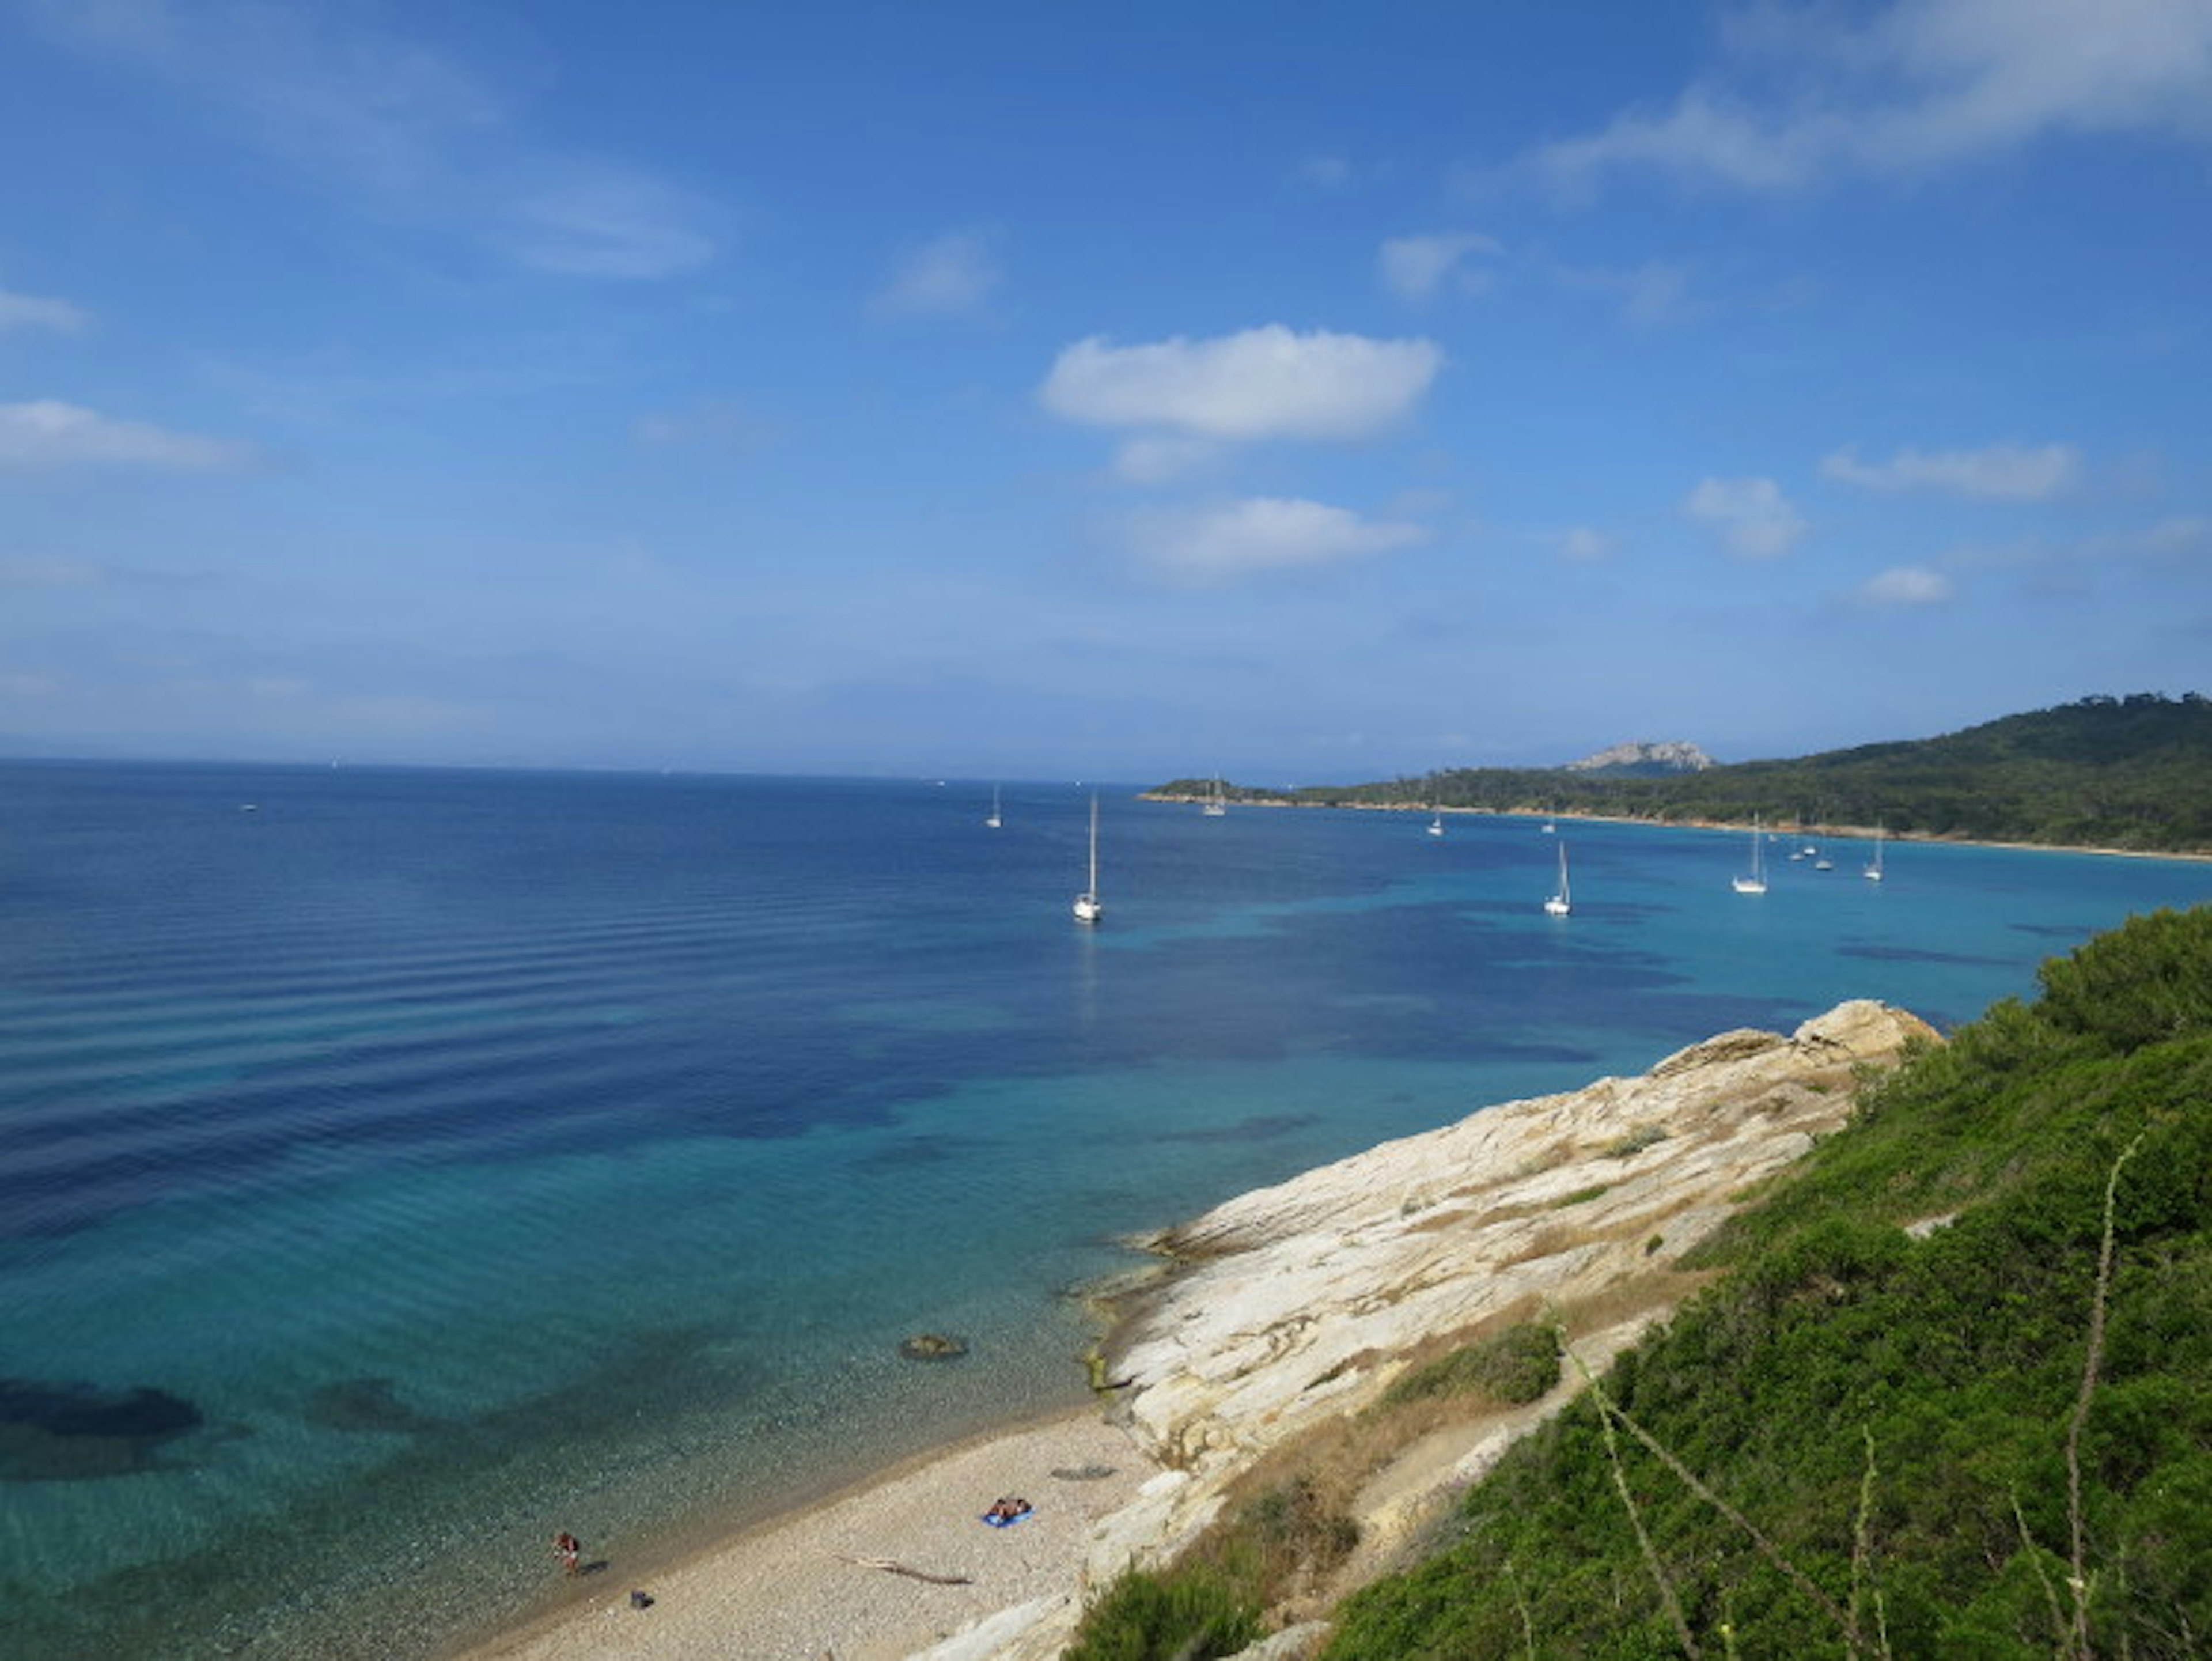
(1892, 1414)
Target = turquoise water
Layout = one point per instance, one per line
(395, 1167)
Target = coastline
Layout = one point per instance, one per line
(844, 1576)
(1855, 833)
(1281, 1312)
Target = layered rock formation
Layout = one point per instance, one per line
(1293, 1305)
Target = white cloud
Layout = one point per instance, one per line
(1415, 267)
(408, 132)
(1209, 546)
(1801, 97)
(25, 311)
(2003, 473)
(1906, 585)
(46, 433)
(1581, 546)
(1266, 383)
(1753, 519)
(953, 274)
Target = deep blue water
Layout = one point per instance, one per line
(397, 1166)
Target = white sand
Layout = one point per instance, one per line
(783, 1592)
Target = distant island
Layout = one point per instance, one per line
(2132, 773)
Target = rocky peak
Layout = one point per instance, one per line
(1672, 755)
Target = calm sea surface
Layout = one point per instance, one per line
(397, 1166)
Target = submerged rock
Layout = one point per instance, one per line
(931, 1347)
(66, 1433)
(368, 1405)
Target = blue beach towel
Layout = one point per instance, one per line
(1008, 1522)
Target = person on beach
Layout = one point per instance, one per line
(569, 1550)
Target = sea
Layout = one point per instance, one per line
(397, 1166)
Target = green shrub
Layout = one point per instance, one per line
(1194, 1611)
(1513, 1367)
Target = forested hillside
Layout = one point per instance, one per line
(2132, 772)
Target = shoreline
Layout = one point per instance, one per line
(1283, 1310)
(1857, 833)
(861, 1571)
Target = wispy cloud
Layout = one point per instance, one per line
(1654, 292)
(1801, 96)
(1325, 172)
(712, 424)
(26, 311)
(1220, 544)
(1414, 268)
(1582, 546)
(1752, 518)
(46, 434)
(1266, 383)
(1167, 457)
(947, 277)
(2003, 473)
(598, 219)
(1906, 585)
(400, 128)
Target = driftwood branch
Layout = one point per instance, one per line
(891, 1565)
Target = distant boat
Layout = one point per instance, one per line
(1561, 903)
(1436, 823)
(1218, 803)
(994, 821)
(1756, 882)
(1873, 871)
(1088, 907)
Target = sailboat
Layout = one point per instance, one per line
(1087, 906)
(1437, 823)
(1873, 871)
(1218, 803)
(1560, 904)
(994, 821)
(1756, 882)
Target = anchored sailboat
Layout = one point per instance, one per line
(1756, 882)
(994, 821)
(1088, 908)
(1561, 903)
(1218, 803)
(1873, 871)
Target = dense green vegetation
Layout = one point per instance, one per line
(1966, 1439)
(2132, 772)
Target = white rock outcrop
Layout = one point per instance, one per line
(1299, 1302)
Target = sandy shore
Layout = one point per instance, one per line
(787, 1591)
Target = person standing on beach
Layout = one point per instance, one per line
(569, 1550)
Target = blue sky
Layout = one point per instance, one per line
(1303, 394)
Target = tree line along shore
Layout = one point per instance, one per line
(2129, 774)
